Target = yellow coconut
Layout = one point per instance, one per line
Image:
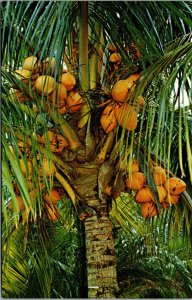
(159, 175)
(74, 101)
(29, 63)
(23, 75)
(53, 213)
(144, 195)
(45, 84)
(68, 80)
(175, 186)
(148, 210)
(108, 119)
(135, 181)
(126, 116)
(52, 197)
(120, 91)
(115, 57)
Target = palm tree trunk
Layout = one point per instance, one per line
(101, 264)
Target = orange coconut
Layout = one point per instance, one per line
(20, 202)
(131, 80)
(18, 95)
(53, 213)
(52, 197)
(159, 175)
(115, 57)
(111, 47)
(148, 210)
(120, 91)
(175, 186)
(62, 110)
(171, 199)
(138, 103)
(23, 146)
(46, 167)
(49, 63)
(132, 166)
(31, 185)
(58, 143)
(60, 93)
(45, 84)
(68, 80)
(25, 214)
(23, 75)
(26, 167)
(144, 195)
(162, 194)
(135, 181)
(57, 103)
(47, 136)
(134, 52)
(16, 189)
(126, 116)
(29, 63)
(74, 101)
(108, 120)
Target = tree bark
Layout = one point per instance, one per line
(100, 254)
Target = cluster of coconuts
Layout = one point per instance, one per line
(169, 189)
(60, 95)
(51, 198)
(122, 110)
(46, 168)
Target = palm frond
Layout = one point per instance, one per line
(15, 267)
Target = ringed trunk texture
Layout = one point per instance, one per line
(100, 254)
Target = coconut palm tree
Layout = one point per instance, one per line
(79, 140)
